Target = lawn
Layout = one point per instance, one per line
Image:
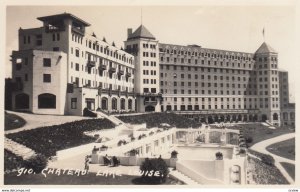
(258, 132)
(13, 121)
(284, 149)
(266, 174)
(48, 140)
(157, 119)
(89, 179)
(290, 168)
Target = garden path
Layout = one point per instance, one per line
(262, 148)
(36, 121)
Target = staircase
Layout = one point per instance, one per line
(180, 176)
(18, 149)
(112, 118)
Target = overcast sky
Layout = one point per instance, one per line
(236, 28)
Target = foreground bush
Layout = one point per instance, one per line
(36, 163)
(11, 161)
(48, 140)
(155, 165)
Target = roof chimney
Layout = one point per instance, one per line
(129, 32)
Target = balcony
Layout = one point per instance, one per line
(102, 67)
(150, 102)
(128, 74)
(78, 30)
(149, 94)
(91, 63)
(112, 70)
(50, 28)
(121, 72)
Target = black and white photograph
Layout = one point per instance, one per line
(131, 94)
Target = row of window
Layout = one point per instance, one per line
(209, 99)
(95, 46)
(203, 84)
(146, 72)
(204, 107)
(146, 45)
(147, 54)
(209, 77)
(218, 92)
(149, 81)
(152, 63)
(208, 69)
(205, 54)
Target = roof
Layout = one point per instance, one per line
(63, 16)
(265, 48)
(141, 32)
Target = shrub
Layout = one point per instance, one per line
(219, 156)
(36, 163)
(242, 151)
(88, 113)
(155, 165)
(133, 152)
(267, 159)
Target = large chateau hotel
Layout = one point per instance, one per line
(61, 68)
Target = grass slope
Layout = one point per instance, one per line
(13, 121)
(156, 119)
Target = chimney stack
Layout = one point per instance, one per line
(129, 31)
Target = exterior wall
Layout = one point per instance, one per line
(268, 87)
(90, 62)
(58, 85)
(35, 85)
(205, 79)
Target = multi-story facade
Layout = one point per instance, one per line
(61, 69)
(143, 45)
(217, 85)
(287, 109)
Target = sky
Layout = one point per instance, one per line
(235, 28)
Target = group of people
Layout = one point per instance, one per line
(111, 161)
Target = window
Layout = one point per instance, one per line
(47, 78)
(55, 48)
(77, 52)
(47, 101)
(26, 77)
(73, 103)
(47, 62)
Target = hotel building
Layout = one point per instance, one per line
(62, 69)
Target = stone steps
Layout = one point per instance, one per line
(18, 149)
(180, 176)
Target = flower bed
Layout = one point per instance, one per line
(266, 175)
(48, 140)
(156, 119)
(12, 162)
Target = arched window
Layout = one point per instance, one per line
(129, 104)
(275, 116)
(104, 103)
(122, 104)
(114, 104)
(47, 101)
(22, 101)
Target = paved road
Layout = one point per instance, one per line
(262, 148)
(35, 121)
